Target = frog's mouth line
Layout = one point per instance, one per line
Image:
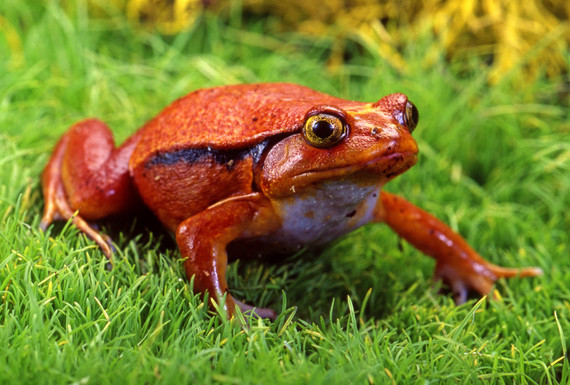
(382, 169)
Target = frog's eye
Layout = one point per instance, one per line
(411, 116)
(324, 130)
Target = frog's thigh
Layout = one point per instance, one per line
(94, 173)
(86, 173)
(203, 238)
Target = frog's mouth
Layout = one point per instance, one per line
(392, 165)
(375, 171)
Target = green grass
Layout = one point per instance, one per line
(494, 164)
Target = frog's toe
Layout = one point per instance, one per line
(59, 209)
(460, 292)
(463, 282)
(50, 215)
(477, 277)
(258, 312)
(507, 272)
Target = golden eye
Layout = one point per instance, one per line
(324, 130)
(411, 116)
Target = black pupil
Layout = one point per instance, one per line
(415, 115)
(323, 129)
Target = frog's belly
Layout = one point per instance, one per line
(315, 218)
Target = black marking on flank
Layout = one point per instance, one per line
(351, 214)
(192, 155)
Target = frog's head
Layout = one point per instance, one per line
(366, 144)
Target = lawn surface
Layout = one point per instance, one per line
(494, 164)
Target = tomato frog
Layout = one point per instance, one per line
(262, 169)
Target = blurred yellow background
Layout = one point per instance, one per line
(530, 35)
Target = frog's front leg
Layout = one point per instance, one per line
(457, 263)
(203, 239)
(86, 173)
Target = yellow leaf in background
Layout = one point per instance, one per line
(527, 36)
(14, 42)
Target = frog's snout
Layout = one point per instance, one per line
(401, 108)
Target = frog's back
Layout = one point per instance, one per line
(204, 147)
(228, 118)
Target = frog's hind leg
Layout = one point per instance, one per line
(87, 179)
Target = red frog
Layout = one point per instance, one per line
(259, 169)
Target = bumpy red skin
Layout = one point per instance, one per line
(271, 199)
